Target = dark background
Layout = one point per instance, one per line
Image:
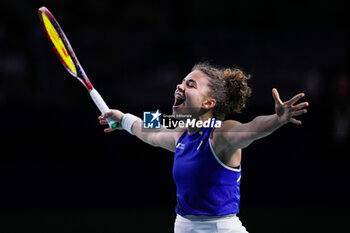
(60, 173)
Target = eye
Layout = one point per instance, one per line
(190, 84)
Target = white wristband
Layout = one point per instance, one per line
(127, 122)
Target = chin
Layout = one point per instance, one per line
(182, 113)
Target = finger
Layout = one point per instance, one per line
(300, 106)
(295, 99)
(300, 112)
(103, 122)
(102, 117)
(107, 114)
(276, 96)
(295, 121)
(108, 130)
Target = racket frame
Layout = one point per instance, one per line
(80, 75)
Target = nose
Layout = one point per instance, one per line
(180, 87)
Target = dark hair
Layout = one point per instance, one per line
(228, 86)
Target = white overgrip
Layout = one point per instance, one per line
(102, 106)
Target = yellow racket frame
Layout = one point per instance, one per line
(58, 43)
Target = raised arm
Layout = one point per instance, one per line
(162, 137)
(241, 135)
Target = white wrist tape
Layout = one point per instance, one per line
(127, 122)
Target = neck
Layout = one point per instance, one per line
(203, 117)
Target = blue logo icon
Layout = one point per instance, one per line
(151, 120)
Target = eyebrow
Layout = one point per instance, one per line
(190, 80)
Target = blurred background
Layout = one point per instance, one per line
(60, 173)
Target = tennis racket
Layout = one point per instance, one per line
(69, 60)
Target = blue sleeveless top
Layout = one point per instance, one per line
(204, 185)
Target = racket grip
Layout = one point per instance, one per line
(102, 106)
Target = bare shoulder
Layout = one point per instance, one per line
(227, 125)
(167, 138)
(177, 133)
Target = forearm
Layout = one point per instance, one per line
(242, 135)
(129, 123)
(263, 126)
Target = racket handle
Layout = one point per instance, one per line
(102, 106)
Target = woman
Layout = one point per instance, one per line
(207, 160)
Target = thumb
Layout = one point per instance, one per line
(276, 96)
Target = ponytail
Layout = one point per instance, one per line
(237, 90)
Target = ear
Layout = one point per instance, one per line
(209, 103)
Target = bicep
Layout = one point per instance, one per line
(165, 139)
(236, 134)
(244, 134)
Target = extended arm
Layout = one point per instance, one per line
(162, 137)
(241, 135)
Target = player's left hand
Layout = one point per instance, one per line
(286, 111)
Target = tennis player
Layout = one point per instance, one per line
(207, 162)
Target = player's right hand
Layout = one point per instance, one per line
(115, 115)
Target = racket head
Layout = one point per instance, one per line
(62, 47)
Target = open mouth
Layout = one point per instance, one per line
(178, 100)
